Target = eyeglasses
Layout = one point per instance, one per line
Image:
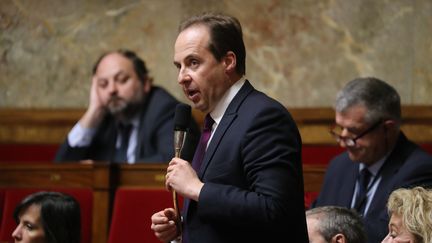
(351, 142)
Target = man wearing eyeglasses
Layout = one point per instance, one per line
(378, 158)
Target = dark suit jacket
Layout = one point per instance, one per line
(253, 178)
(155, 135)
(408, 165)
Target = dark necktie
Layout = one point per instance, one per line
(361, 199)
(121, 152)
(202, 145)
(197, 161)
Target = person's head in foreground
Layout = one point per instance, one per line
(47, 217)
(331, 224)
(410, 213)
(210, 57)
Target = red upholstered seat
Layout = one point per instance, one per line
(427, 147)
(2, 194)
(132, 211)
(311, 154)
(309, 198)
(27, 152)
(322, 154)
(12, 196)
(319, 154)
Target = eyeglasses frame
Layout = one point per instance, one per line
(351, 142)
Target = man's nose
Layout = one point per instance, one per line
(342, 143)
(112, 87)
(343, 134)
(183, 76)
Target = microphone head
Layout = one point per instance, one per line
(182, 117)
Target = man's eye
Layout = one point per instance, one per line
(102, 83)
(123, 80)
(194, 63)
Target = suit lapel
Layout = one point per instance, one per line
(391, 166)
(143, 126)
(227, 119)
(141, 135)
(217, 137)
(347, 188)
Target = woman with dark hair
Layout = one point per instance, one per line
(48, 217)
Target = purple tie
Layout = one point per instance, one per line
(197, 161)
(202, 145)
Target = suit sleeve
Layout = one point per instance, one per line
(157, 142)
(159, 125)
(68, 153)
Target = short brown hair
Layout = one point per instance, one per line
(225, 35)
(138, 63)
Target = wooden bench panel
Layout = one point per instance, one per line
(50, 126)
(47, 176)
(104, 179)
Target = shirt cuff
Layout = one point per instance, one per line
(178, 240)
(80, 136)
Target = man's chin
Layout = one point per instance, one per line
(354, 156)
(126, 110)
(201, 106)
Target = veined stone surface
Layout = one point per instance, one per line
(300, 52)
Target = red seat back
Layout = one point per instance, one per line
(132, 212)
(2, 196)
(27, 152)
(13, 196)
(427, 147)
(319, 154)
(309, 198)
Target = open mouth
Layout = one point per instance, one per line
(192, 95)
(192, 92)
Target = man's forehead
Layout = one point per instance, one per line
(114, 64)
(191, 50)
(194, 35)
(354, 112)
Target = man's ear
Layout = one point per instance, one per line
(230, 61)
(338, 238)
(147, 85)
(389, 124)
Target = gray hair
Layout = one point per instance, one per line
(380, 99)
(339, 220)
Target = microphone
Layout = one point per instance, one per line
(182, 119)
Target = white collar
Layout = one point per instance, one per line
(226, 99)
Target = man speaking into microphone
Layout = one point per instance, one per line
(245, 182)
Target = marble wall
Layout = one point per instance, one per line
(300, 52)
